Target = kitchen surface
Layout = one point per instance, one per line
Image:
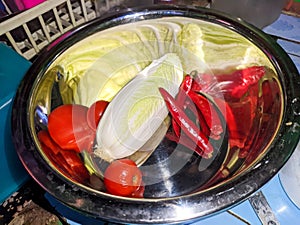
(24, 200)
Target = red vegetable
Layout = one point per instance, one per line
(68, 162)
(185, 87)
(230, 120)
(45, 138)
(249, 77)
(270, 95)
(123, 178)
(269, 102)
(191, 110)
(68, 127)
(190, 129)
(203, 82)
(188, 143)
(95, 113)
(236, 84)
(209, 113)
(139, 193)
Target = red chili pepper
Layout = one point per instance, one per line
(269, 102)
(189, 108)
(188, 143)
(57, 160)
(203, 124)
(202, 81)
(67, 161)
(184, 100)
(74, 161)
(237, 83)
(209, 113)
(230, 119)
(185, 87)
(254, 120)
(249, 76)
(176, 127)
(191, 130)
(270, 91)
(45, 138)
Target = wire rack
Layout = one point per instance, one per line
(30, 31)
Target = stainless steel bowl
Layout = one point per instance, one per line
(229, 178)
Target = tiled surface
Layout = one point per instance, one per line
(285, 211)
(285, 26)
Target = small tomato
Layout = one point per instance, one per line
(95, 113)
(122, 177)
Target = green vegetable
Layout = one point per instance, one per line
(97, 67)
(138, 110)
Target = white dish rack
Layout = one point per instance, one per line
(30, 31)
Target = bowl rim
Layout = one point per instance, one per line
(138, 211)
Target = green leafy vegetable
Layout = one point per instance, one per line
(138, 110)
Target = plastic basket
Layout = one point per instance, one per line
(30, 31)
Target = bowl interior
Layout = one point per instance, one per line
(235, 74)
(100, 65)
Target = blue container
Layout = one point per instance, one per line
(12, 69)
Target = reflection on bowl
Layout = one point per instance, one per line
(197, 100)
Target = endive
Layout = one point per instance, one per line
(138, 109)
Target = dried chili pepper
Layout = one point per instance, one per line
(202, 81)
(236, 84)
(68, 161)
(209, 113)
(191, 130)
(249, 76)
(188, 143)
(230, 119)
(193, 113)
(185, 87)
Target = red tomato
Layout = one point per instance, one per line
(95, 113)
(122, 177)
(139, 193)
(68, 127)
